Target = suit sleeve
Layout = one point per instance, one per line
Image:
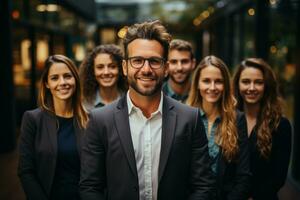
(202, 182)
(92, 176)
(27, 167)
(241, 185)
(279, 160)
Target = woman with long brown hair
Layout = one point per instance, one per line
(49, 163)
(211, 91)
(256, 90)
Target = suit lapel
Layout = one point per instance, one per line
(168, 130)
(78, 135)
(122, 123)
(51, 124)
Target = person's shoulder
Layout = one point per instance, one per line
(179, 107)
(284, 125)
(37, 112)
(165, 87)
(283, 131)
(284, 121)
(104, 110)
(33, 116)
(240, 116)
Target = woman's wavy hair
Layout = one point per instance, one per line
(45, 99)
(87, 75)
(226, 134)
(270, 105)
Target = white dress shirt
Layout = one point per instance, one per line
(146, 138)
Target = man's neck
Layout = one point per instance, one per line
(147, 104)
(180, 89)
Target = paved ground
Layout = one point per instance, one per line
(10, 188)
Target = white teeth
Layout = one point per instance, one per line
(146, 79)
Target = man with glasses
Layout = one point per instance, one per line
(146, 146)
(181, 65)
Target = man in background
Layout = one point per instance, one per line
(181, 64)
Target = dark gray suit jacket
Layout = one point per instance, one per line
(108, 160)
(38, 152)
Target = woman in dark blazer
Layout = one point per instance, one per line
(49, 162)
(269, 132)
(211, 91)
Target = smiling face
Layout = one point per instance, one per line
(211, 85)
(106, 71)
(145, 81)
(181, 66)
(251, 85)
(60, 82)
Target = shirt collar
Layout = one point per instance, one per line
(132, 107)
(98, 99)
(171, 93)
(203, 115)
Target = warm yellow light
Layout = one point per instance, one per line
(285, 49)
(52, 7)
(197, 21)
(47, 8)
(41, 8)
(79, 52)
(251, 12)
(25, 54)
(122, 32)
(273, 49)
(42, 51)
(211, 9)
(205, 14)
(272, 2)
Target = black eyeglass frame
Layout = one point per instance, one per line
(161, 60)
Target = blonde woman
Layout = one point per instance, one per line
(225, 128)
(269, 133)
(49, 163)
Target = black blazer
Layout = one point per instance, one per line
(269, 174)
(38, 152)
(108, 160)
(233, 178)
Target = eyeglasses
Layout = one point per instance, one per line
(138, 62)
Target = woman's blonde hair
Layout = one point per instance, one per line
(226, 135)
(45, 99)
(270, 105)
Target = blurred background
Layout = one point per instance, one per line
(31, 30)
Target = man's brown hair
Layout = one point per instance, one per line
(181, 45)
(150, 30)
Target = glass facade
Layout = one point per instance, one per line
(42, 28)
(282, 50)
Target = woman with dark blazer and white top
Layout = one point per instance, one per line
(49, 162)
